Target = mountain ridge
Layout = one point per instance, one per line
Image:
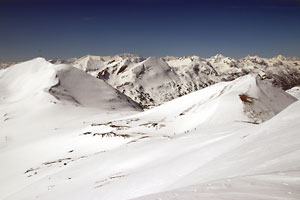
(152, 81)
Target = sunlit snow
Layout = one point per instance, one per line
(65, 134)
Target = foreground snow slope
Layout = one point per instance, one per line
(78, 149)
(260, 163)
(254, 162)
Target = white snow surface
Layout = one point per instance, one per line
(66, 135)
(295, 91)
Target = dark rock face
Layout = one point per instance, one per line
(104, 75)
(285, 79)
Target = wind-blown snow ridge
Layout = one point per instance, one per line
(245, 100)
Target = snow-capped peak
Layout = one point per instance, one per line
(280, 57)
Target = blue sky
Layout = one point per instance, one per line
(64, 29)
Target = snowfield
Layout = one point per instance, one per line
(65, 134)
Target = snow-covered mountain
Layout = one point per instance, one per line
(38, 80)
(245, 100)
(152, 81)
(67, 135)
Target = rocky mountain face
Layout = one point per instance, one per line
(152, 81)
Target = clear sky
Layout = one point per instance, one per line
(65, 28)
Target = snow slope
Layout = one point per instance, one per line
(37, 88)
(260, 163)
(255, 162)
(42, 106)
(245, 100)
(38, 78)
(232, 140)
(295, 91)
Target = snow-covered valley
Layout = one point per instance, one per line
(65, 134)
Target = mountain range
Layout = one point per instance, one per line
(152, 81)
